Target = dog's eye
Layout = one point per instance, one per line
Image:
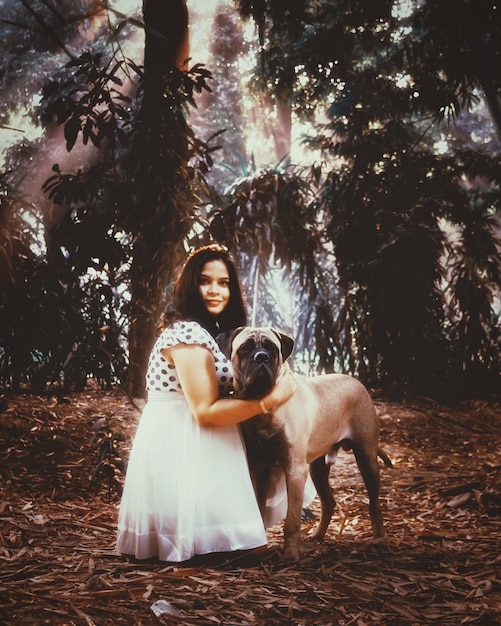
(246, 347)
(270, 347)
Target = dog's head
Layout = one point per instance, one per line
(257, 356)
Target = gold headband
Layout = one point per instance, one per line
(215, 247)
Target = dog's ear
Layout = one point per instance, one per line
(286, 343)
(224, 340)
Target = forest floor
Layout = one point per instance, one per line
(440, 562)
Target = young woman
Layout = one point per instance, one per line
(187, 489)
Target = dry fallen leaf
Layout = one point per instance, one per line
(440, 563)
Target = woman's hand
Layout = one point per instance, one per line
(282, 391)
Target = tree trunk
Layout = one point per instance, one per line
(158, 164)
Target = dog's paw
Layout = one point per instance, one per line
(317, 534)
(289, 555)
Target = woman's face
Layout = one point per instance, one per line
(214, 286)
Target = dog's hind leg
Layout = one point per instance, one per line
(319, 472)
(368, 466)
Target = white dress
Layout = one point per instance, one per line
(187, 489)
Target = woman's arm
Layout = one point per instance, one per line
(197, 375)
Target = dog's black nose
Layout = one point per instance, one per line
(261, 356)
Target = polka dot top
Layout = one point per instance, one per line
(162, 375)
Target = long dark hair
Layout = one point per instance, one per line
(187, 302)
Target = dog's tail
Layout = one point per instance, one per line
(385, 458)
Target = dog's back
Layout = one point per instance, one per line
(326, 410)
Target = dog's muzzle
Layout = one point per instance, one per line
(257, 375)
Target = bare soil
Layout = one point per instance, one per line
(440, 562)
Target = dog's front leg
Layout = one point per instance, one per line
(319, 471)
(261, 482)
(295, 474)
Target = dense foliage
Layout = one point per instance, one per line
(381, 258)
(394, 206)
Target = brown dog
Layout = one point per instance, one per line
(325, 413)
